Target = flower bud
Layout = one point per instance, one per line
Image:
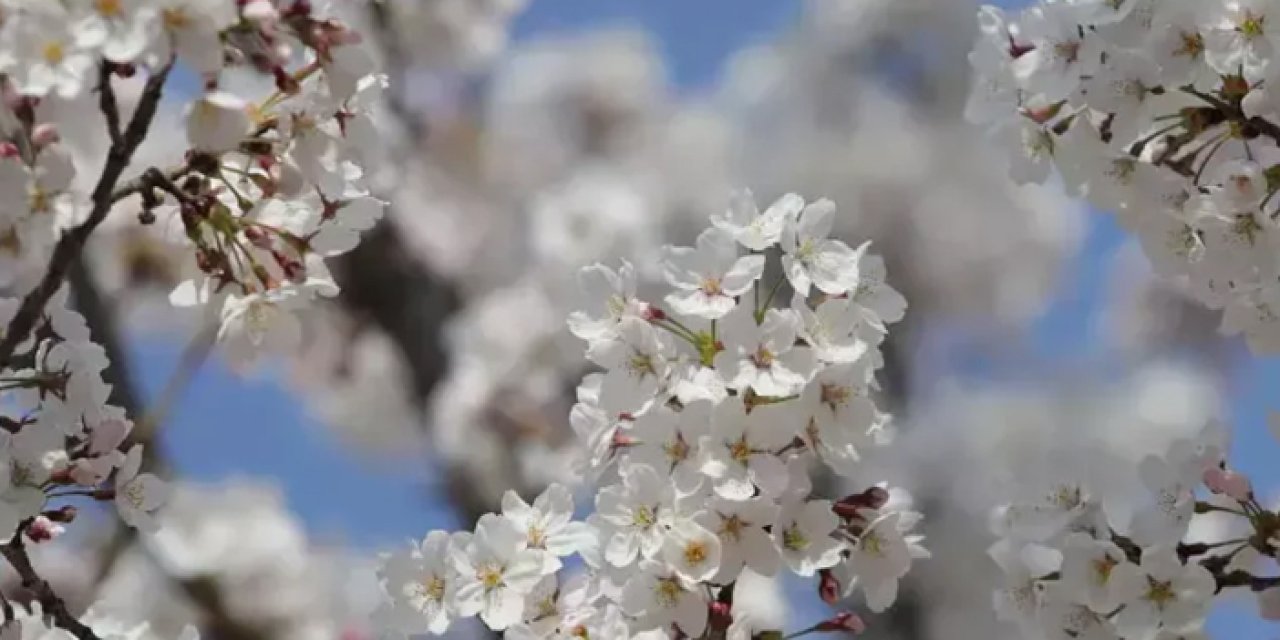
(45, 134)
(43, 529)
(828, 587)
(9, 150)
(848, 622)
(720, 616)
(1229, 483)
(849, 506)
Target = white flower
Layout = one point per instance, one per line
(881, 557)
(121, 29)
(813, 259)
(639, 361)
(1165, 592)
(547, 524)
(139, 496)
(41, 54)
(743, 541)
(635, 512)
(191, 29)
(421, 585)
(741, 453)
(668, 440)
(710, 277)
(803, 535)
(832, 329)
(754, 229)
(1025, 568)
(218, 122)
(842, 417)
(495, 571)
(1165, 519)
(763, 357)
(259, 323)
(612, 296)
(1089, 567)
(692, 551)
(658, 597)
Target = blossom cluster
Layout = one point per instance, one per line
(271, 183)
(269, 186)
(1085, 559)
(1163, 111)
(64, 437)
(700, 433)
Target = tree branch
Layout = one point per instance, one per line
(15, 551)
(72, 243)
(107, 103)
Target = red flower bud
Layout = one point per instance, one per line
(828, 587)
(720, 616)
(847, 621)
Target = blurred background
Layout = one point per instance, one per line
(522, 142)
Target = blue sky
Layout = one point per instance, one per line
(225, 426)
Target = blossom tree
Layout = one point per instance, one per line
(1158, 112)
(654, 395)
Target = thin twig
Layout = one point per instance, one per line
(71, 245)
(15, 551)
(107, 103)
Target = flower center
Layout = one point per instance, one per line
(695, 553)
(537, 537)
(1251, 25)
(873, 544)
(794, 539)
(490, 576)
(641, 364)
(731, 527)
(1192, 44)
(677, 450)
(740, 451)
(135, 494)
(54, 52)
(835, 395)
(712, 287)
(667, 592)
(175, 19)
(1159, 593)
(109, 8)
(762, 358)
(1068, 51)
(643, 517)
(1102, 569)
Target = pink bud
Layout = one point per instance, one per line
(1224, 481)
(828, 587)
(9, 150)
(720, 616)
(45, 134)
(847, 621)
(43, 529)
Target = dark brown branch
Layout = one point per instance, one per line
(71, 245)
(1235, 114)
(15, 551)
(107, 103)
